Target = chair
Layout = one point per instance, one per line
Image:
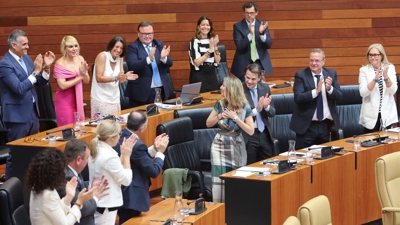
(203, 135)
(387, 179)
(4, 150)
(292, 220)
(222, 65)
(21, 216)
(316, 211)
(181, 153)
(11, 197)
(46, 101)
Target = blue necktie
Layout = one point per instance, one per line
(260, 123)
(23, 65)
(320, 104)
(156, 74)
(26, 71)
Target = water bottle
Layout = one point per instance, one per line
(178, 215)
(292, 158)
(158, 99)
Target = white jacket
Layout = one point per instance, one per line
(370, 99)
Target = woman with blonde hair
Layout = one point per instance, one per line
(228, 150)
(70, 71)
(377, 86)
(104, 160)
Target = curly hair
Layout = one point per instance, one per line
(46, 171)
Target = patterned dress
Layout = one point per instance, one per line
(228, 150)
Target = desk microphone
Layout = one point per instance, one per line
(375, 141)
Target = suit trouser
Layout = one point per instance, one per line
(18, 131)
(259, 146)
(317, 133)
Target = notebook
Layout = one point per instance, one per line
(189, 92)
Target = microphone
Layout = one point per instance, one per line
(51, 132)
(375, 141)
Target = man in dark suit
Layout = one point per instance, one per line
(77, 154)
(18, 74)
(316, 90)
(149, 59)
(136, 195)
(259, 146)
(252, 42)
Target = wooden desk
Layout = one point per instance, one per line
(280, 90)
(215, 214)
(23, 151)
(266, 200)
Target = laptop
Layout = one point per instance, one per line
(188, 94)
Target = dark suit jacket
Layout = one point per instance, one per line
(136, 195)
(242, 56)
(89, 207)
(139, 89)
(305, 105)
(17, 89)
(262, 90)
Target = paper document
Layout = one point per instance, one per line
(299, 154)
(250, 169)
(394, 130)
(242, 174)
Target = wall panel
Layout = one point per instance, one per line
(344, 29)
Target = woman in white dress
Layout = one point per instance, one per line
(108, 72)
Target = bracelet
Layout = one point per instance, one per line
(387, 79)
(114, 78)
(235, 119)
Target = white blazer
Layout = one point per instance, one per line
(48, 208)
(108, 163)
(370, 99)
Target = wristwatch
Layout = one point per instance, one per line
(34, 74)
(235, 119)
(387, 79)
(217, 51)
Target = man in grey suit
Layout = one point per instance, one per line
(259, 146)
(77, 154)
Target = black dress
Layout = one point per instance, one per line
(205, 73)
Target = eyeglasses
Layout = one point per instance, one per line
(146, 34)
(250, 13)
(30, 139)
(373, 55)
(315, 61)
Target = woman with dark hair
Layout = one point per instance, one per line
(204, 55)
(108, 72)
(45, 174)
(233, 115)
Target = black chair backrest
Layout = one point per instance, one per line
(46, 97)
(21, 216)
(349, 111)
(170, 86)
(180, 152)
(11, 197)
(124, 101)
(222, 66)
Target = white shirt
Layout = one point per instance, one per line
(30, 76)
(327, 112)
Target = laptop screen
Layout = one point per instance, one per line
(190, 91)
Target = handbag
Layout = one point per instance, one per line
(221, 71)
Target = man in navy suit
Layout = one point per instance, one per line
(316, 90)
(259, 146)
(149, 59)
(251, 31)
(77, 154)
(18, 74)
(136, 196)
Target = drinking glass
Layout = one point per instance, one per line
(179, 103)
(262, 76)
(52, 139)
(356, 143)
(291, 81)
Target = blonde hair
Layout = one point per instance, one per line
(105, 129)
(381, 50)
(234, 95)
(68, 40)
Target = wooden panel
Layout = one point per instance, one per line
(67, 10)
(98, 19)
(360, 13)
(13, 21)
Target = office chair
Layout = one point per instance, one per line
(21, 216)
(181, 153)
(46, 101)
(223, 70)
(291, 220)
(4, 149)
(387, 179)
(11, 197)
(316, 211)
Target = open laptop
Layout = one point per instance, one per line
(189, 92)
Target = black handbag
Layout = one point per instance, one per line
(221, 71)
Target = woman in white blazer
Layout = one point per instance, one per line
(104, 160)
(377, 86)
(45, 174)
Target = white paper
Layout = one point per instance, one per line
(299, 154)
(394, 130)
(250, 169)
(242, 174)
